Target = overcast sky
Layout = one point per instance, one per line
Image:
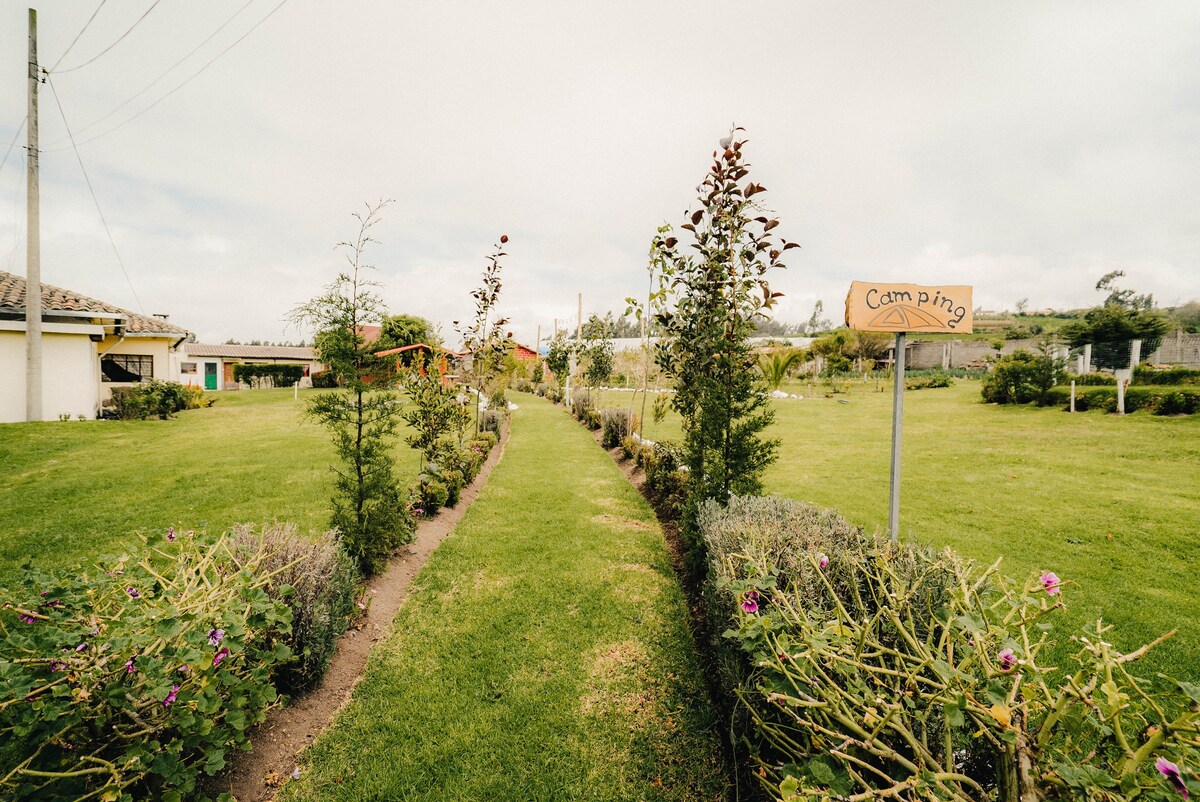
(1023, 148)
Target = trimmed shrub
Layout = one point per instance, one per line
(129, 681)
(318, 583)
(1143, 374)
(490, 420)
(1092, 379)
(156, 399)
(1180, 402)
(268, 375)
(453, 479)
(666, 480)
(523, 386)
(934, 378)
(1021, 377)
(616, 425)
(324, 380)
(431, 494)
(554, 395)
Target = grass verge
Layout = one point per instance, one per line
(1108, 502)
(72, 490)
(544, 653)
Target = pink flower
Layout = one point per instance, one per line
(1173, 775)
(133, 593)
(1008, 660)
(822, 560)
(215, 636)
(81, 646)
(750, 602)
(27, 619)
(219, 656)
(129, 666)
(171, 696)
(171, 534)
(1051, 583)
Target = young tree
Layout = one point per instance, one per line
(485, 339)
(1124, 316)
(713, 294)
(596, 349)
(558, 356)
(434, 413)
(398, 331)
(369, 512)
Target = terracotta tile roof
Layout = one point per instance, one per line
(251, 351)
(12, 298)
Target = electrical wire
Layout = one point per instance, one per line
(20, 128)
(179, 86)
(114, 44)
(162, 75)
(76, 39)
(96, 201)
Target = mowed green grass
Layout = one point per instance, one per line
(1109, 503)
(543, 654)
(72, 490)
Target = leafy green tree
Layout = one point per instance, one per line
(434, 416)
(1124, 316)
(398, 331)
(596, 349)
(558, 356)
(369, 512)
(710, 296)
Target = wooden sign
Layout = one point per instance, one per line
(909, 307)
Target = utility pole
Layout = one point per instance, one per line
(33, 252)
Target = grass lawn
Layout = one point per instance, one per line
(1110, 503)
(544, 653)
(73, 490)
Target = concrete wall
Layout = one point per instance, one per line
(197, 379)
(70, 384)
(959, 353)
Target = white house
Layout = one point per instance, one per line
(88, 347)
(211, 366)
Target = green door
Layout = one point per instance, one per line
(210, 375)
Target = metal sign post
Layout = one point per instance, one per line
(897, 419)
(899, 309)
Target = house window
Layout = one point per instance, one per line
(187, 367)
(126, 367)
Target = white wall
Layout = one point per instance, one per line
(69, 379)
(197, 378)
(157, 348)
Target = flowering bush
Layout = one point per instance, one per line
(130, 680)
(888, 671)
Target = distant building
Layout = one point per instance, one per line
(211, 366)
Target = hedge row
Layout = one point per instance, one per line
(1156, 400)
(863, 669)
(268, 375)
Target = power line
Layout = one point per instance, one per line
(20, 128)
(111, 241)
(179, 86)
(162, 75)
(76, 39)
(120, 39)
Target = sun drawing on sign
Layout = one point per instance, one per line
(906, 318)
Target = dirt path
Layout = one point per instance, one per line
(255, 775)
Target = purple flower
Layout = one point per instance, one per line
(81, 646)
(750, 602)
(215, 636)
(1008, 660)
(27, 619)
(57, 665)
(171, 535)
(133, 593)
(171, 696)
(1051, 583)
(1171, 772)
(129, 667)
(185, 669)
(822, 560)
(219, 656)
